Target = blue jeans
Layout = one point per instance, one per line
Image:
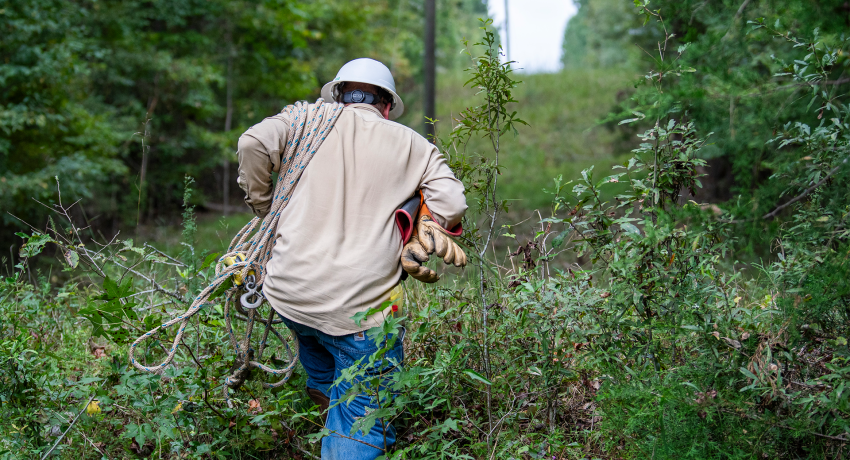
(324, 357)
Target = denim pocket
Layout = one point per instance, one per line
(351, 350)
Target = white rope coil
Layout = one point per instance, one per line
(309, 126)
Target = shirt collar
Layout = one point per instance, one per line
(368, 107)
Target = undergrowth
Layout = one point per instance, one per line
(650, 341)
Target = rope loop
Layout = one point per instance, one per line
(252, 247)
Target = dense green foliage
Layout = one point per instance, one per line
(121, 99)
(627, 324)
(742, 90)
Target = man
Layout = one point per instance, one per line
(337, 249)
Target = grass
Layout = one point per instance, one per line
(214, 233)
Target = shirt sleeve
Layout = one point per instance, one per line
(259, 153)
(442, 191)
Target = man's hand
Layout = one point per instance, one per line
(429, 238)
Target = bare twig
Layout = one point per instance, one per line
(142, 293)
(62, 436)
(735, 19)
(797, 198)
(694, 12)
(805, 192)
(200, 366)
(164, 254)
(156, 285)
(151, 307)
(104, 246)
(83, 435)
(211, 406)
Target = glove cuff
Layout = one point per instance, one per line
(405, 215)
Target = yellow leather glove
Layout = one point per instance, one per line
(429, 238)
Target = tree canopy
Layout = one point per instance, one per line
(120, 100)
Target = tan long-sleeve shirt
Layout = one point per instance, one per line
(337, 249)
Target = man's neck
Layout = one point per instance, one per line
(383, 110)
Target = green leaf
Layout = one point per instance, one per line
(126, 288)
(72, 258)
(227, 284)
(559, 240)
(629, 228)
(449, 424)
(749, 374)
(476, 376)
(360, 316)
(209, 260)
(111, 288)
(35, 244)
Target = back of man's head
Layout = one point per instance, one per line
(384, 97)
(368, 81)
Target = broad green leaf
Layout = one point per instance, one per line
(111, 288)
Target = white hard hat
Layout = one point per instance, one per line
(365, 70)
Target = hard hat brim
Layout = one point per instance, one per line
(398, 105)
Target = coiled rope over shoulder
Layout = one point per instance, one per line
(309, 126)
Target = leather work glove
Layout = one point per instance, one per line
(430, 238)
(413, 255)
(436, 240)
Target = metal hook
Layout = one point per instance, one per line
(251, 288)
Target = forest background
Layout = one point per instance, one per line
(691, 303)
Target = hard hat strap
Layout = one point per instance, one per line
(360, 97)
